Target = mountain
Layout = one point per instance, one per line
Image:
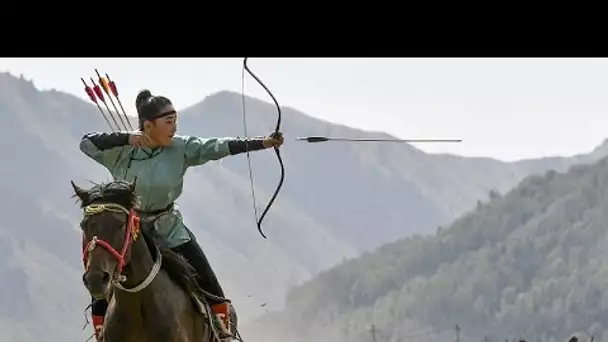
(529, 264)
(391, 190)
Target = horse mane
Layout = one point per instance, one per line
(117, 192)
(177, 267)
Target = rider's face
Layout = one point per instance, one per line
(163, 129)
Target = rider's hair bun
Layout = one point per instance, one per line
(150, 107)
(142, 97)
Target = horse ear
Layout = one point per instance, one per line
(80, 192)
(132, 184)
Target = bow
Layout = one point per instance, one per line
(276, 149)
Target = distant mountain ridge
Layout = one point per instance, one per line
(380, 186)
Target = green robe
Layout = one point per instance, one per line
(160, 175)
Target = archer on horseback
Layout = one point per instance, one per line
(158, 159)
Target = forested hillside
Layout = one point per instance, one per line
(530, 264)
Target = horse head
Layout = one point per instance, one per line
(110, 226)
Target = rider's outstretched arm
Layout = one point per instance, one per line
(104, 148)
(198, 150)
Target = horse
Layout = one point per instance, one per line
(152, 291)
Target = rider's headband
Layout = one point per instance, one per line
(163, 114)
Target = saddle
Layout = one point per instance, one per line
(222, 317)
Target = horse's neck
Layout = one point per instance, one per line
(131, 316)
(139, 267)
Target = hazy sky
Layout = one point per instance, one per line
(503, 108)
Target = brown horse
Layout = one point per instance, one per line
(152, 291)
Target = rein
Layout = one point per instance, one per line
(131, 234)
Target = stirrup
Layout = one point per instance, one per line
(98, 326)
(223, 331)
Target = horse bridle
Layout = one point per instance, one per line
(131, 234)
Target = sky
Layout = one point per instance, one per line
(502, 108)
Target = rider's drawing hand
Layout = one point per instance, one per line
(140, 139)
(273, 140)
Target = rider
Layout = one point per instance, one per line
(159, 160)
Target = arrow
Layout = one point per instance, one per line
(317, 139)
(114, 90)
(91, 95)
(106, 88)
(96, 94)
(100, 96)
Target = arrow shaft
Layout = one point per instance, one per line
(111, 115)
(118, 113)
(316, 139)
(124, 112)
(104, 116)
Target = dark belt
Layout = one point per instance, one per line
(156, 212)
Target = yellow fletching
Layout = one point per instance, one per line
(105, 84)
